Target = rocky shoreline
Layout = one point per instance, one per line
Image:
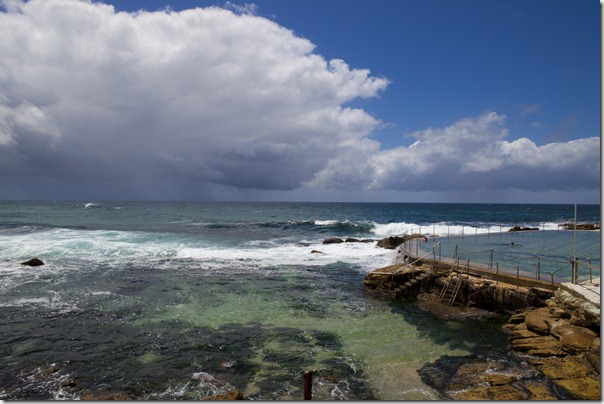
(554, 336)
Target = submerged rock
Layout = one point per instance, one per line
(228, 396)
(106, 396)
(34, 262)
(463, 378)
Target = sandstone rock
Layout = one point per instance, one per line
(534, 343)
(585, 388)
(228, 396)
(333, 240)
(561, 368)
(517, 318)
(496, 379)
(539, 320)
(538, 391)
(521, 331)
(34, 262)
(580, 341)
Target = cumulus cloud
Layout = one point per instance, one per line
(471, 154)
(168, 104)
(207, 95)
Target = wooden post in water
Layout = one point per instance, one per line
(308, 385)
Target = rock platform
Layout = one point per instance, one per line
(556, 334)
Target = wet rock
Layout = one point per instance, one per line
(352, 240)
(393, 242)
(504, 392)
(429, 302)
(333, 240)
(317, 252)
(228, 396)
(105, 396)
(487, 379)
(34, 262)
(69, 383)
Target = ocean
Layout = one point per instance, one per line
(181, 300)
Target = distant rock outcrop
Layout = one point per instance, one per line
(518, 228)
(393, 242)
(581, 226)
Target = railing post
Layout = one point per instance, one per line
(517, 277)
(590, 276)
(552, 278)
(497, 277)
(439, 251)
(491, 261)
(538, 267)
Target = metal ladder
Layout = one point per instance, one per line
(449, 292)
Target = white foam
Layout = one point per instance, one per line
(366, 255)
(444, 229)
(326, 222)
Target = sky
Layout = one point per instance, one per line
(301, 100)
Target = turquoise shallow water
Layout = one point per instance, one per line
(183, 300)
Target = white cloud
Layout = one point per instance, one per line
(470, 154)
(204, 94)
(207, 101)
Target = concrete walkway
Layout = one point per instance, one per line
(588, 291)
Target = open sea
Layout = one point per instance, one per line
(169, 300)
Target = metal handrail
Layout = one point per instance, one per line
(556, 271)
